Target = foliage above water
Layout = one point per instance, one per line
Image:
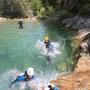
(13, 8)
(23, 8)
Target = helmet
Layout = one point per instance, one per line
(50, 84)
(30, 71)
(20, 19)
(46, 38)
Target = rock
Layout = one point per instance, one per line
(2, 19)
(77, 22)
(79, 79)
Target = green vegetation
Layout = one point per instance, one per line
(21, 8)
(13, 8)
(42, 8)
(85, 11)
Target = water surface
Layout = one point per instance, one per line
(17, 47)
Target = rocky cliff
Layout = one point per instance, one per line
(79, 79)
(77, 22)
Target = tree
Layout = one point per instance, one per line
(13, 8)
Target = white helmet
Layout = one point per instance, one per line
(20, 19)
(30, 71)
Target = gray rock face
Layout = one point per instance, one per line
(77, 22)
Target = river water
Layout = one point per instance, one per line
(18, 49)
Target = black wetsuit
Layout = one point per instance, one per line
(47, 44)
(20, 25)
(52, 88)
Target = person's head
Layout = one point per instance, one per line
(20, 19)
(30, 71)
(51, 86)
(46, 38)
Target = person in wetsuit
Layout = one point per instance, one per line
(52, 87)
(48, 44)
(20, 23)
(29, 74)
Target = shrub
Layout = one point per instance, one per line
(85, 11)
(13, 8)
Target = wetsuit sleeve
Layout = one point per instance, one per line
(49, 42)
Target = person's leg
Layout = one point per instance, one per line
(19, 78)
(21, 26)
(12, 83)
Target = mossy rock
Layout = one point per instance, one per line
(85, 11)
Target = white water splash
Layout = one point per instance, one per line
(43, 50)
(6, 78)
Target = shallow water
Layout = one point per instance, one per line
(18, 51)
